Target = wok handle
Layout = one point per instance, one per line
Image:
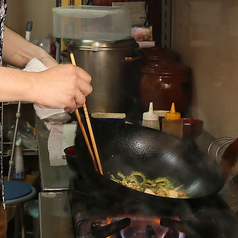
(229, 158)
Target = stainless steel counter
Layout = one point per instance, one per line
(54, 178)
(55, 215)
(54, 208)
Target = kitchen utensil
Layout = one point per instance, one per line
(111, 66)
(126, 148)
(97, 162)
(92, 22)
(86, 139)
(219, 144)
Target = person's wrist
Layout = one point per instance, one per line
(48, 61)
(45, 58)
(32, 87)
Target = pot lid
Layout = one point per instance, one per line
(100, 44)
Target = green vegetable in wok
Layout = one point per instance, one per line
(160, 186)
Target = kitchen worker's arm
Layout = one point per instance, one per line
(61, 86)
(18, 52)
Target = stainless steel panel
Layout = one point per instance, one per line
(55, 215)
(53, 178)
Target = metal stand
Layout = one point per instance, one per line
(11, 161)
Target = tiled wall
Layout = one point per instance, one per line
(205, 34)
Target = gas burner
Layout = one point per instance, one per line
(95, 218)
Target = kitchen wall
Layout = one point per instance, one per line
(38, 11)
(205, 34)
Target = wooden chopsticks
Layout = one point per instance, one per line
(93, 151)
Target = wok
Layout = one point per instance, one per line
(126, 148)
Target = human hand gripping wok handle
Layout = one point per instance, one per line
(63, 86)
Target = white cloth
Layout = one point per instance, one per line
(58, 131)
(61, 136)
(36, 65)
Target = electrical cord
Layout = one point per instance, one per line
(146, 12)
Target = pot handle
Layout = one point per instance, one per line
(132, 58)
(229, 158)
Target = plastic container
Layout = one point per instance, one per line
(173, 123)
(26, 133)
(18, 172)
(150, 118)
(92, 22)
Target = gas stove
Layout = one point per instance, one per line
(95, 218)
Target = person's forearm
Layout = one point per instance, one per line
(60, 86)
(18, 52)
(64, 86)
(15, 85)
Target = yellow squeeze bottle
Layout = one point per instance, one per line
(173, 123)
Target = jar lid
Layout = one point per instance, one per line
(159, 54)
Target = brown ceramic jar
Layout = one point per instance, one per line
(164, 80)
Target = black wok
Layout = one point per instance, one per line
(126, 148)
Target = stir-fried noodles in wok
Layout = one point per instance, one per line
(160, 186)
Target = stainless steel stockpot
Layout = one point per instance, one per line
(109, 64)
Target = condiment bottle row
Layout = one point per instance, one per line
(169, 121)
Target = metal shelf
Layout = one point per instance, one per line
(9, 114)
(7, 148)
